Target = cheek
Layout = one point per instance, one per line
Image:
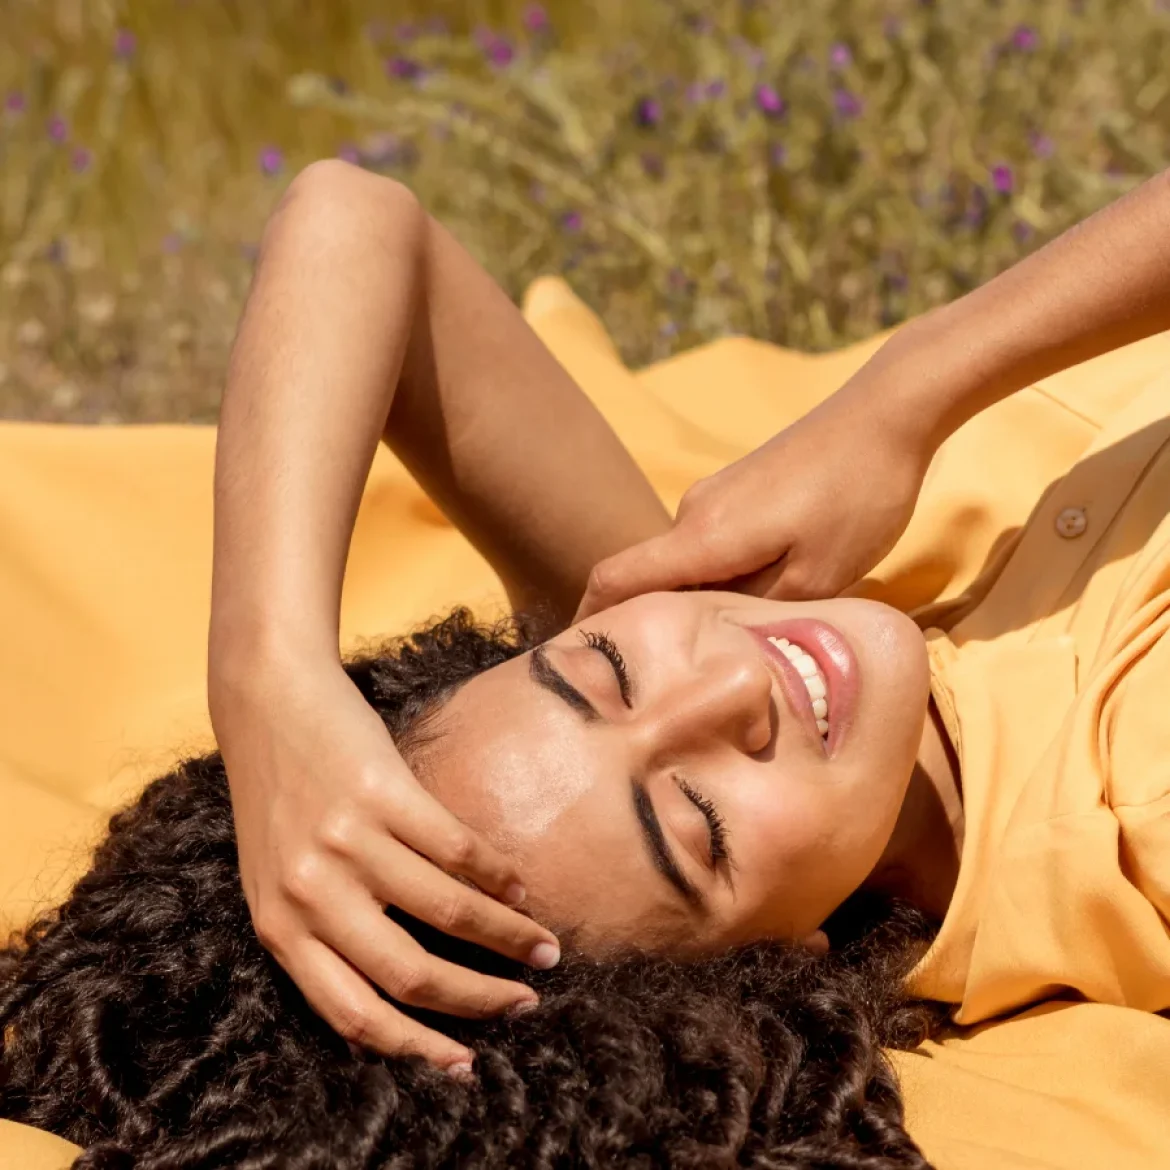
(529, 785)
(801, 849)
(784, 830)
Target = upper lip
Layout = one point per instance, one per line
(792, 686)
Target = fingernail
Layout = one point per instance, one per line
(521, 1006)
(544, 955)
(461, 1070)
(515, 894)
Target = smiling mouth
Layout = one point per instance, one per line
(814, 681)
(792, 684)
(832, 675)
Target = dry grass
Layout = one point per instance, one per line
(624, 143)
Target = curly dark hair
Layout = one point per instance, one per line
(143, 1020)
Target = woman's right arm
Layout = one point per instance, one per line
(310, 766)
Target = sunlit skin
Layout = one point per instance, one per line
(707, 734)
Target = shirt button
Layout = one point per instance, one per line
(1071, 523)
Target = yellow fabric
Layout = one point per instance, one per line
(24, 1148)
(105, 543)
(1063, 1086)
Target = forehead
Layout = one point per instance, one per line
(519, 766)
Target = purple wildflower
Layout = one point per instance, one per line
(58, 129)
(81, 159)
(647, 112)
(172, 242)
(15, 102)
(55, 253)
(571, 221)
(535, 18)
(405, 32)
(847, 103)
(498, 49)
(769, 101)
(125, 44)
(716, 88)
(1002, 178)
(501, 53)
(695, 92)
(349, 153)
(1025, 38)
(1042, 145)
(653, 165)
(777, 152)
(840, 56)
(403, 68)
(1022, 231)
(271, 160)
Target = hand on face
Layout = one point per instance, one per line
(804, 516)
(657, 775)
(332, 827)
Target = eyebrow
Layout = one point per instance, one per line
(546, 675)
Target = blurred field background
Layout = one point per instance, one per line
(806, 172)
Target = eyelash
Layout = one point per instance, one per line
(718, 831)
(597, 640)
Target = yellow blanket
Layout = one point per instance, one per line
(105, 546)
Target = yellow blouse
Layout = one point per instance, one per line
(1053, 679)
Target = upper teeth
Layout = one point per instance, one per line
(814, 681)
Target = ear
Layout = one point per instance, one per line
(817, 942)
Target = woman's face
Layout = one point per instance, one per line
(658, 775)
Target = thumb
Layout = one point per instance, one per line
(665, 562)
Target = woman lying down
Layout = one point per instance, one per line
(772, 824)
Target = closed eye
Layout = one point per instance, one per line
(596, 640)
(715, 826)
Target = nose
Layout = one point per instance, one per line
(729, 699)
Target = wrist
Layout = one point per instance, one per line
(930, 377)
(247, 653)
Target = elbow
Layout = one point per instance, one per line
(340, 204)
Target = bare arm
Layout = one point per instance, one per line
(368, 320)
(1102, 284)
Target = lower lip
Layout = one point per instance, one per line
(827, 647)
